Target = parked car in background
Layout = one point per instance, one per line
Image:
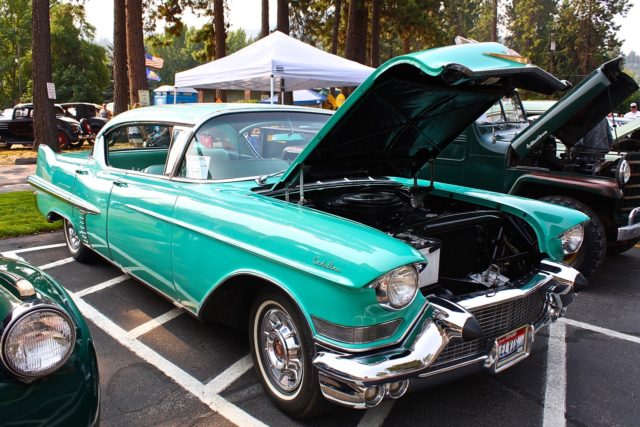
(48, 367)
(501, 151)
(18, 129)
(87, 114)
(313, 232)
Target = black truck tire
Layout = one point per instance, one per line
(594, 246)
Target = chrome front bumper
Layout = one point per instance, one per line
(631, 231)
(363, 381)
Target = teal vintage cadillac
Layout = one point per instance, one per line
(48, 368)
(355, 276)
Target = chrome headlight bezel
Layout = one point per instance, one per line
(398, 288)
(24, 314)
(623, 172)
(572, 239)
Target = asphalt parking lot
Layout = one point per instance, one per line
(160, 366)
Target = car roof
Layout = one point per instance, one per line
(191, 114)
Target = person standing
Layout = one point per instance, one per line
(633, 112)
(104, 112)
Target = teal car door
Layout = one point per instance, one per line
(141, 204)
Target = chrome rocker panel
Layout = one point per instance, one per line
(363, 381)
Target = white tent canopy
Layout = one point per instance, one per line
(278, 60)
(167, 88)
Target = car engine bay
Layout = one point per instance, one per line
(468, 248)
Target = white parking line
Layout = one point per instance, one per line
(39, 248)
(56, 263)
(101, 286)
(375, 417)
(555, 394)
(154, 323)
(183, 379)
(226, 378)
(609, 332)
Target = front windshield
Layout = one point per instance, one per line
(506, 110)
(247, 145)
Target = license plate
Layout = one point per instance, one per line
(513, 347)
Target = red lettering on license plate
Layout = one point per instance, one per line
(511, 344)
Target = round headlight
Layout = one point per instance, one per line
(38, 342)
(572, 239)
(397, 288)
(623, 173)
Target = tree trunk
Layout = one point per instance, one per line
(356, 46)
(135, 50)
(494, 21)
(283, 16)
(44, 118)
(220, 38)
(336, 27)
(375, 34)
(120, 76)
(264, 29)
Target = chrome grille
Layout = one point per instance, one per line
(495, 320)
(631, 197)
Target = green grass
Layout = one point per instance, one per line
(19, 215)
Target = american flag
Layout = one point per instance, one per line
(153, 61)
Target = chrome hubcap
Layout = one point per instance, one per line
(72, 237)
(281, 350)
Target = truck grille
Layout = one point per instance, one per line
(631, 197)
(495, 320)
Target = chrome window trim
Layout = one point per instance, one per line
(46, 187)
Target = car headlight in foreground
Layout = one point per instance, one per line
(397, 288)
(572, 239)
(37, 342)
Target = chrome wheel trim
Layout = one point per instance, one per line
(280, 354)
(73, 240)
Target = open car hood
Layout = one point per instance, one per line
(580, 109)
(411, 108)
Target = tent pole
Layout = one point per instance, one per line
(175, 94)
(271, 98)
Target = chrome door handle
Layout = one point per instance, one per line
(120, 184)
(82, 172)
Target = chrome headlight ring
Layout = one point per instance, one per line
(398, 288)
(623, 172)
(36, 340)
(572, 239)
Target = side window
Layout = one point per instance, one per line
(139, 147)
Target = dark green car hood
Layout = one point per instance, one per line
(411, 108)
(580, 109)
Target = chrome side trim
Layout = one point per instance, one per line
(325, 274)
(45, 186)
(324, 343)
(322, 327)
